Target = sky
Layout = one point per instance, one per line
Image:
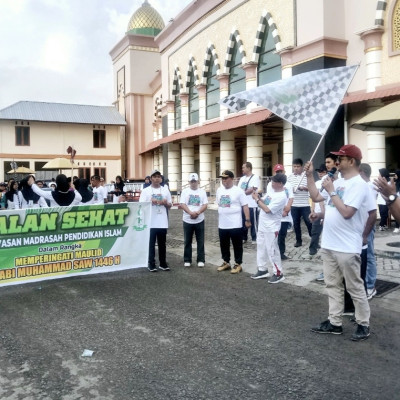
(58, 50)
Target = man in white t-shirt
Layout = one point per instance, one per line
(346, 213)
(193, 203)
(301, 206)
(249, 183)
(287, 220)
(231, 201)
(99, 192)
(271, 210)
(161, 201)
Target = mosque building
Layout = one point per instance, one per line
(168, 81)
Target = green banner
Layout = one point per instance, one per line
(49, 243)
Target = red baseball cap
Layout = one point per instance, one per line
(349, 150)
(279, 167)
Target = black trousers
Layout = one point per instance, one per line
(282, 237)
(253, 220)
(159, 235)
(225, 238)
(297, 213)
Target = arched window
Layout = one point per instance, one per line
(269, 63)
(178, 112)
(212, 92)
(237, 75)
(193, 101)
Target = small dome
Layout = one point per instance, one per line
(146, 21)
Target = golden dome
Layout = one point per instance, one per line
(146, 21)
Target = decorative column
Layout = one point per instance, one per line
(155, 131)
(287, 146)
(205, 150)
(187, 158)
(174, 160)
(184, 111)
(170, 106)
(202, 103)
(227, 151)
(251, 81)
(160, 159)
(255, 148)
(223, 92)
(156, 160)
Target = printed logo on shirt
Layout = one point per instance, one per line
(194, 200)
(267, 200)
(95, 196)
(225, 201)
(287, 193)
(243, 185)
(157, 196)
(340, 193)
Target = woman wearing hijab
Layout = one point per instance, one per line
(383, 208)
(61, 195)
(82, 186)
(147, 182)
(27, 197)
(119, 186)
(12, 198)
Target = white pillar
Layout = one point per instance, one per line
(187, 158)
(287, 146)
(202, 103)
(174, 160)
(156, 160)
(227, 151)
(160, 160)
(255, 148)
(205, 150)
(171, 116)
(184, 111)
(223, 92)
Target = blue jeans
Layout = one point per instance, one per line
(198, 230)
(371, 261)
(297, 213)
(253, 220)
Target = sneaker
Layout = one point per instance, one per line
(260, 274)
(313, 252)
(283, 257)
(152, 268)
(224, 266)
(187, 264)
(381, 228)
(327, 327)
(200, 264)
(361, 333)
(276, 279)
(254, 242)
(164, 267)
(320, 277)
(298, 244)
(236, 269)
(396, 230)
(371, 293)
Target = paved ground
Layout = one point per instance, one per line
(191, 333)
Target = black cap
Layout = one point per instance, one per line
(227, 174)
(322, 168)
(280, 178)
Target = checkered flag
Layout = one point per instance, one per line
(308, 100)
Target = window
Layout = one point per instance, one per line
(269, 63)
(212, 92)
(22, 136)
(237, 75)
(101, 172)
(178, 112)
(99, 138)
(84, 173)
(193, 101)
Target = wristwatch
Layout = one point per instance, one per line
(391, 198)
(333, 193)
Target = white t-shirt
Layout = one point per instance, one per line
(24, 204)
(230, 202)
(323, 193)
(289, 195)
(254, 181)
(301, 197)
(194, 199)
(345, 235)
(159, 216)
(271, 222)
(380, 200)
(99, 194)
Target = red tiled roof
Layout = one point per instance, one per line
(377, 94)
(229, 123)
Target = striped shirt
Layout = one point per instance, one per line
(301, 197)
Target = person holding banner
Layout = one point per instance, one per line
(161, 201)
(346, 214)
(61, 196)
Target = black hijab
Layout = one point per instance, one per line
(27, 192)
(82, 185)
(61, 194)
(11, 191)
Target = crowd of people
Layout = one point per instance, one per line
(339, 211)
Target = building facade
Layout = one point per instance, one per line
(167, 82)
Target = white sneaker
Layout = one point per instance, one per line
(396, 230)
(200, 264)
(371, 293)
(381, 228)
(187, 264)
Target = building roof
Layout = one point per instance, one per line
(146, 21)
(64, 113)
